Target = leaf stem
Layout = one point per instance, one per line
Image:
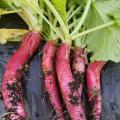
(74, 12)
(73, 24)
(70, 10)
(58, 17)
(82, 19)
(3, 12)
(93, 29)
(40, 12)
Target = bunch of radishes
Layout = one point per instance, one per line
(55, 21)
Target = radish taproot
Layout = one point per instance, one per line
(48, 68)
(67, 83)
(78, 67)
(12, 90)
(50, 86)
(93, 87)
(78, 70)
(66, 29)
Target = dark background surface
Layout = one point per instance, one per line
(39, 107)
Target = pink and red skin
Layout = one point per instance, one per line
(65, 77)
(93, 87)
(79, 57)
(13, 73)
(50, 86)
(78, 64)
(78, 69)
(29, 44)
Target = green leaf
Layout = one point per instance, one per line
(7, 4)
(105, 43)
(60, 5)
(2, 4)
(115, 15)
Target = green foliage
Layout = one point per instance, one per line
(115, 15)
(60, 5)
(105, 43)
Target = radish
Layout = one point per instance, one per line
(48, 68)
(12, 90)
(78, 67)
(78, 70)
(50, 79)
(69, 90)
(93, 87)
(65, 31)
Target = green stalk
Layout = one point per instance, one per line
(73, 24)
(73, 13)
(58, 17)
(79, 42)
(33, 19)
(93, 29)
(42, 7)
(48, 33)
(38, 11)
(70, 10)
(54, 29)
(3, 11)
(82, 19)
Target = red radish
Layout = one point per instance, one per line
(78, 67)
(12, 90)
(68, 89)
(93, 87)
(50, 79)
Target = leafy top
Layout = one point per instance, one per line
(105, 43)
